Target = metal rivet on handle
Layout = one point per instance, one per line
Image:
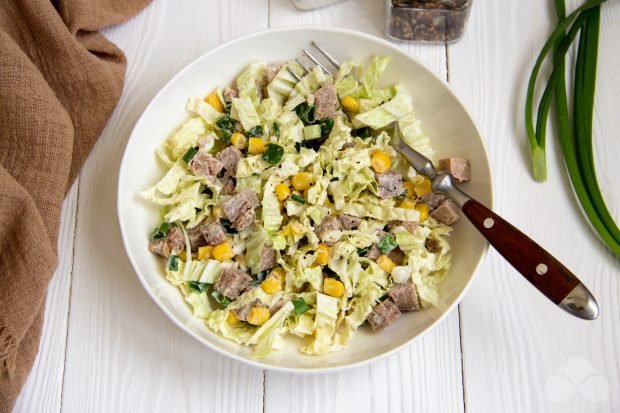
(488, 223)
(541, 269)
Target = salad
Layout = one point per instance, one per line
(284, 211)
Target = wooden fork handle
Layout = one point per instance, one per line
(539, 267)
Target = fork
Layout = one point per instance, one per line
(539, 267)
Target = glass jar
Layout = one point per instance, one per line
(427, 21)
(313, 4)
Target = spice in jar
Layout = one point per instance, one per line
(433, 21)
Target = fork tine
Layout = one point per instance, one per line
(316, 62)
(295, 75)
(303, 65)
(327, 55)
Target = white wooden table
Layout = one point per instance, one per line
(106, 347)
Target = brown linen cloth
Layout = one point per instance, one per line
(59, 83)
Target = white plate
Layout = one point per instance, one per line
(444, 119)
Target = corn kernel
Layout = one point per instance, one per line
(223, 251)
(239, 140)
(381, 162)
(271, 285)
(183, 256)
(350, 103)
(409, 189)
(214, 100)
(423, 210)
(386, 264)
(232, 318)
(204, 253)
(258, 316)
(423, 187)
(322, 255)
(333, 287)
(407, 204)
(256, 146)
(293, 228)
(283, 191)
(302, 181)
(280, 274)
(218, 212)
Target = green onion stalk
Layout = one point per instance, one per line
(575, 133)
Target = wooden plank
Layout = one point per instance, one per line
(43, 389)
(123, 353)
(521, 353)
(423, 377)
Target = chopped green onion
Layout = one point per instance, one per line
(220, 298)
(300, 306)
(190, 154)
(363, 133)
(226, 123)
(312, 132)
(298, 198)
(273, 154)
(326, 126)
(363, 252)
(256, 131)
(225, 136)
(387, 243)
(161, 231)
(198, 286)
(276, 130)
(305, 112)
(173, 263)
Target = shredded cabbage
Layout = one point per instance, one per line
(335, 158)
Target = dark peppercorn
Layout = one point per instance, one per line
(435, 21)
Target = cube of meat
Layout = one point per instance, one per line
(374, 252)
(232, 282)
(397, 255)
(458, 167)
(243, 312)
(405, 296)
(383, 315)
(326, 102)
(390, 184)
(229, 157)
(245, 220)
(172, 244)
(228, 184)
(433, 199)
(349, 222)
(196, 237)
(268, 259)
(240, 208)
(410, 226)
(214, 233)
(330, 230)
(446, 213)
(271, 71)
(204, 164)
(230, 93)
